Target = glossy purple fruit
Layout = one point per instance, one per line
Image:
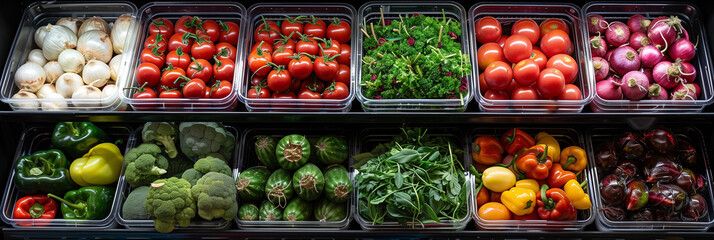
(659, 168)
(659, 140)
(690, 181)
(696, 208)
(612, 190)
(636, 195)
(686, 153)
(606, 155)
(614, 213)
(627, 170)
(631, 146)
(668, 196)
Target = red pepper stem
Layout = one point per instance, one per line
(36, 210)
(510, 139)
(542, 193)
(513, 161)
(477, 148)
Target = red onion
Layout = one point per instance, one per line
(602, 68)
(596, 24)
(617, 34)
(650, 56)
(638, 40)
(682, 49)
(687, 72)
(663, 31)
(598, 46)
(634, 85)
(648, 73)
(609, 89)
(657, 92)
(608, 55)
(686, 91)
(624, 59)
(638, 23)
(666, 74)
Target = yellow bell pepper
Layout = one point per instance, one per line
(574, 158)
(531, 184)
(576, 195)
(498, 179)
(100, 166)
(521, 201)
(545, 139)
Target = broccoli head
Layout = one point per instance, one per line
(215, 195)
(202, 138)
(144, 164)
(191, 175)
(212, 164)
(161, 133)
(170, 201)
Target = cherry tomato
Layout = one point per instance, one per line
(552, 24)
(287, 95)
(337, 90)
(225, 51)
(556, 42)
(156, 40)
(498, 75)
(345, 53)
(258, 80)
(488, 29)
(325, 69)
(185, 24)
(524, 93)
(207, 92)
(313, 84)
(203, 49)
(550, 83)
(482, 85)
(285, 44)
(161, 25)
(229, 32)
(517, 48)
(343, 74)
(566, 64)
(571, 92)
(178, 59)
(329, 47)
(264, 93)
(281, 57)
(339, 31)
(223, 69)
(152, 55)
(493, 94)
(489, 53)
(201, 69)
(279, 80)
(145, 92)
(301, 67)
(196, 88)
(512, 86)
(180, 40)
(257, 60)
(291, 25)
(502, 40)
(307, 45)
(172, 78)
(315, 28)
(148, 73)
(267, 31)
(308, 94)
(209, 28)
(221, 89)
(528, 28)
(294, 85)
(263, 46)
(526, 72)
(170, 93)
(539, 58)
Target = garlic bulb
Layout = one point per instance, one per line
(114, 66)
(93, 23)
(108, 97)
(58, 105)
(59, 38)
(68, 83)
(28, 103)
(36, 56)
(120, 32)
(69, 22)
(87, 92)
(71, 61)
(40, 34)
(53, 70)
(30, 77)
(95, 45)
(96, 73)
(46, 89)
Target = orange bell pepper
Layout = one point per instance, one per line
(487, 150)
(558, 176)
(535, 162)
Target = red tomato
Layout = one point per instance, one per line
(285, 43)
(225, 51)
(315, 28)
(571, 92)
(145, 92)
(294, 85)
(489, 53)
(202, 49)
(172, 78)
(156, 40)
(196, 88)
(185, 24)
(539, 58)
(178, 59)
(152, 55)
(552, 24)
(306, 45)
(488, 29)
(502, 40)
(171, 93)
(258, 80)
(517, 48)
(526, 72)
(281, 57)
(482, 85)
(291, 25)
(343, 74)
(223, 69)
(524, 93)
(287, 95)
(257, 60)
(180, 40)
(493, 94)
(264, 93)
(325, 69)
(221, 89)
(209, 28)
(229, 32)
(263, 46)
(498, 75)
(308, 94)
(550, 83)
(300, 68)
(337, 90)
(148, 73)
(566, 64)
(527, 28)
(313, 84)
(279, 80)
(267, 31)
(207, 92)
(556, 42)
(329, 47)
(345, 53)
(339, 31)
(512, 86)
(161, 25)
(201, 69)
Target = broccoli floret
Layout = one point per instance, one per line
(144, 164)
(133, 208)
(169, 201)
(215, 195)
(202, 138)
(177, 166)
(191, 175)
(211, 164)
(161, 133)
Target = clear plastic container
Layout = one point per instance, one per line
(225, 11)
(277, 12)
(695, 137)
(565, 137)
(691, 21)
(248, 159)
(40, 138)
(370, 12)
(196, 224)
(368, 139)
(40, 14)
(508, 14)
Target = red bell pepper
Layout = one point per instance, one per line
(516, 140)
(35, 207)
(535, 162)
(558, 176)
(553, 204)
(487, 150)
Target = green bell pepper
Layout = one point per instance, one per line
(76, 138)
(44, 171)
(87, 203)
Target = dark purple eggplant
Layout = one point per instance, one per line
(660, 168)
(686, 153)
(614, 213)
(631, 146)
(696, 208)
(669, 196)
(660, 141)
(644, 214)
(612, 190)
(606, 155)
(690, 181)
(627, 170)
(636, 195)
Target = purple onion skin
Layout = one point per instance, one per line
(602, 68)
(608, 55)
(635, 85)
(688, 73)
(608, 89)
(682, 49)
(686, 91)
(596, 24)
(617, 34)
(657, 92)
(638, 23)
(624, 59)
(648, 73)
(666, 74)
(638, 40)
(598, 46)
(662, 31)
(650, 56)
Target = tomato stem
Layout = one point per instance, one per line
(224, 26)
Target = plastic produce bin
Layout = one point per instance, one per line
(691, 21)
(39, 138)
(508, 14)
(277, 12)
(224, 11)
(370, 13)
(40, 14)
